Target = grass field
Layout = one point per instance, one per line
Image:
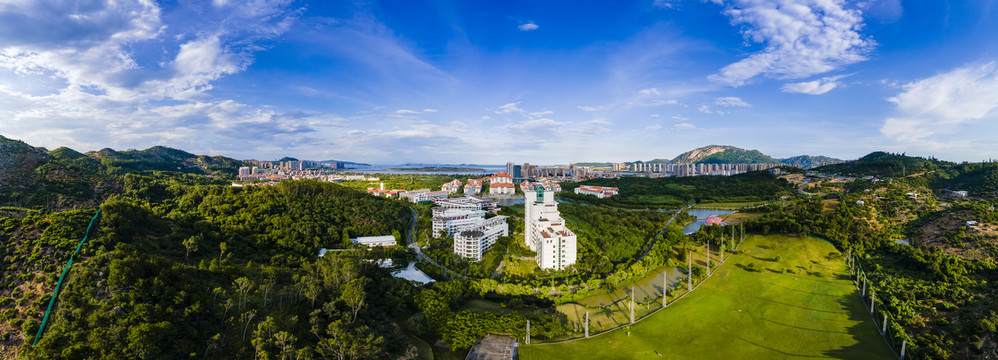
(750, 309)
(738, 218)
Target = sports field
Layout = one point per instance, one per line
(750, 309)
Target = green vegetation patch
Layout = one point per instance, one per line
(750, 309)
(642, 192)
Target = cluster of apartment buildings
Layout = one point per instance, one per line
(500, 184)
(415, 196)
(255, 173)
(527, 171)
(296, 165)
(691, 169)
(465, 220)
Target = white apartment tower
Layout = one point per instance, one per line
(546, 233)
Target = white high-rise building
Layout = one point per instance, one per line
(474, 240)
(546, 233)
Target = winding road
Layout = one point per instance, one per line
(419, 252)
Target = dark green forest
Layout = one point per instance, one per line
(643, 192)
(178, 271)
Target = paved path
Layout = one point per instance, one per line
(654, 238)
(419, 252)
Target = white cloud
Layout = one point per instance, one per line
(814, 87)
(598, 121)
(406, 111)
(649, 91)
(802, 38)
(665, 4)
(731, 101)
(528, 26)
(541, 113)
(704, 109)
(590, 108)
(681, 118)
(510, 108)
(941, 103)
(684, 126)
(654, 127)
(430, 110)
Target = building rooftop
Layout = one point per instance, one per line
(493, 347)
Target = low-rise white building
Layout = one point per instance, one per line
(546, 233)
(424, 195)
(447, 221)
(371, 241)
(469, 202)
(598, 191)
(473, 187)
(451, 187)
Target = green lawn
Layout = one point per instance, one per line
(811, 311)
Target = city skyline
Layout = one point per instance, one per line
(452, 83)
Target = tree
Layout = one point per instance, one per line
(243, 285)
(353, 295)
(191, 244)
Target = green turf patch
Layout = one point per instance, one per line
(781, 297)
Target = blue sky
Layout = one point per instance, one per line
(490, 82)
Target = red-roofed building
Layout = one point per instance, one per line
(713, 220)
(501, 184)
(598, 191)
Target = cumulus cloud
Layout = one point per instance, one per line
(528, 26)
(731, 101)
(801, 38)
(814, 87)
(941, 103)
(112, 73)
(510, 108)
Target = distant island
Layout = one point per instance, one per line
(438, 169)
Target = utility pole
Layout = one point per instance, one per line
(665, 287)
(708, 257)
(528, 332)
(689, 273)
(587, 323)
(722, 248)
(632, 304)
(873, 299)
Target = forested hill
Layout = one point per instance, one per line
(165, 158)
(809, 161)
(723, 154)
(65, 178)
(882, 164)
(177, 270)
(642, 192)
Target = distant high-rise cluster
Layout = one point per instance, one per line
(691, 169)
(526, 171)
(545, 230)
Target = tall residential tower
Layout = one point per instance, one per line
(545, 230)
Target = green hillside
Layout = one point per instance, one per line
(884, 164)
